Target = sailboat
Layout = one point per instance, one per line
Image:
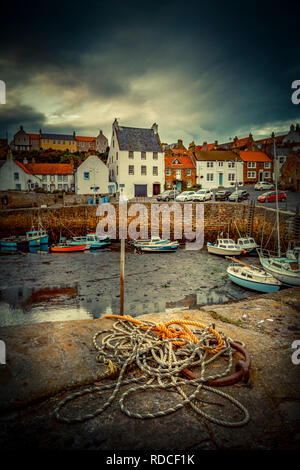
(284, 268)
(252, 277)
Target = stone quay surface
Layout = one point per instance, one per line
(47, 361)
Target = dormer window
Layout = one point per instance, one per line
(176, 162)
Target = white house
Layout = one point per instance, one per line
(91, 177)
(15, 175)
(215, 168)
(136, 161)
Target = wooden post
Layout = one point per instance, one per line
(122, 263)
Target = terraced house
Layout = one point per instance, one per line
(136, 161)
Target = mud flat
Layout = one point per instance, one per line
(48, 361)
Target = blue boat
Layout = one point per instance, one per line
(92, 240)
(253, 278)
(32, 238)
(155, 245)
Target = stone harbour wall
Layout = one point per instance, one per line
(232, 218)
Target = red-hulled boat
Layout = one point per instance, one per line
(63, 248)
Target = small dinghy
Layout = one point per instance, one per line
(252, 277)
(155, 245)
(64, 248)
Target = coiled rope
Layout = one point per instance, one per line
(161, 353)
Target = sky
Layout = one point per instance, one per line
(203, 71)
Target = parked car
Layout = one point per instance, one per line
(222, 195)
(184, 196)
(261, 185)
(238, 195)
(167, 195)
(270, 196)
(202, 195)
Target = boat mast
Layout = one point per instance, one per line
(277, 207)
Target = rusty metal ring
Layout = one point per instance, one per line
(241, 370)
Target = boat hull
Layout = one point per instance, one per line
(215, 250)
(290, 280)
(68, 249)
(257, 286)
(158, 249)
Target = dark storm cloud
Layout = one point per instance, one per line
(229, 65)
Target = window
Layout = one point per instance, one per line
(267, 165)
(86, 175)
(188, 172)
(231, 177)
(155, 156)
(143, 155)
(251, 164)
(45, 187)
(209, 176)
(281, 160)
(48, 141)
(130, 169)
(220, 163)
(168, 171)
(16, 176)
(66, 187)
(131, 154)
(52, 178)
(58, 142)
(266, 174)
(143, 170)
(59, 186)
(189, 184)
(168, 184)
(54, 142)
(65, 177)
(18, 186)
(231, 164)
(59, 178)
(209, 164)
(64, 143)
(251, 174)
(178, 173)
(155, 171)
(117, 155)
(69, 143)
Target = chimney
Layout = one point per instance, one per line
(204, 148)
(115, 123)
(74, 134)
(216, 143)
(155, 128)
(100, 132)
(21, 128)
(179, 144)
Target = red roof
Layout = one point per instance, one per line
(34, 136)
(84, 139)
(23, 167)
(209, 147)
(249, 156)
(185, 162)
(240, 142)
(49, 168)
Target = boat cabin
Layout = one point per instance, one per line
(226, 243)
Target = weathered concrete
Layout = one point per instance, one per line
(46, 361)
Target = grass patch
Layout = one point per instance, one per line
(218, 316)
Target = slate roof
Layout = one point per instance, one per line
(58, 136)
(136, 139)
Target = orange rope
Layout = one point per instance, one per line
(164, 331)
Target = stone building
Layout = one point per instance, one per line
(101, 142)
(290, 173)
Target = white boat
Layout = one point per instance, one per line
(252, 277)
(224, 246)
(248, 244)
(284, 269)
(155, 244)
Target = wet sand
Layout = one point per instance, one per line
(37, 287)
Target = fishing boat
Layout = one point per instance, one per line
(284, 268)
(31, 238)
(252, 277)
(93, 240)
(225, 246)
(249, 245)
(64, 248)
(155, 245)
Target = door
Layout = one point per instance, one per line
(140, 190)
(220, 179)
(178, 186)
(260, 176)
(156, 189)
